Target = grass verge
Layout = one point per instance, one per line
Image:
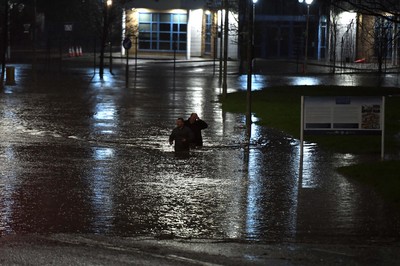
(279, 108)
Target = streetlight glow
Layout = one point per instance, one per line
(109, 2)
(255, 1)
(308, 3)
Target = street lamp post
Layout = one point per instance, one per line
(308, 3)
(250, 50)
(254, 18)
(109, 4)
(34, 36)
(5, 41)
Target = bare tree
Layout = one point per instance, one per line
(389, 9)
(333, 39)
(380, 28)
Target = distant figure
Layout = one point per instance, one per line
(182, 136)
(196, 125)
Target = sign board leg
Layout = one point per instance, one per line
(383, 130)
(301, 137)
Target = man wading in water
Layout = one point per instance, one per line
(196, 125)
(182, 136)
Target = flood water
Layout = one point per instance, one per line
(94, 157)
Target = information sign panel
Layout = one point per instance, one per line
(343, 115)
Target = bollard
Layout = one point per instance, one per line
(10, 75)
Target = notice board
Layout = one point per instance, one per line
(343, 115)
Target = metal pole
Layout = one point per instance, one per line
(5, 42)
(103, 39)
(383, 130)
(8, 31)
(94, 57)
(215, 42)
(253, 21)
(306, 46)
(301, 137)
(250, 41)
(136, 54)
(109, 3)
(174, 57)
(111, 59)
(226, 36)
(221, 46)
(34, 41)
(127, 68)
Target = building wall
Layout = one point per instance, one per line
(365, 44)
(280, 28)
(232, 36)
(344, 30)
(168, 4)
(195, 31)
(195, 27)
(358, 37)
(176, 32)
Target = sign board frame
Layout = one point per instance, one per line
(342, 115)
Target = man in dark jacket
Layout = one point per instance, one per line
(182, 136)
(196, 125)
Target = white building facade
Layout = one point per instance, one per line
(186, 27)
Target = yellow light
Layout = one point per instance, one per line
(109, 2)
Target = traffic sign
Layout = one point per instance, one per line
(127, 43)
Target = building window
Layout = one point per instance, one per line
(208, 33)
(162, 31)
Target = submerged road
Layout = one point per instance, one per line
(84, 158)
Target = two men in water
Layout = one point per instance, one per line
(187, 133)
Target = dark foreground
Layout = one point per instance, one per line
(88, 177)
(101, 250)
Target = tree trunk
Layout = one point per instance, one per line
(103, 40)
(226, 37)
(5, 41)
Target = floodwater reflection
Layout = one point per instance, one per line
(272, 187)
(101, 182)
(7, 187)
(105, 117)
(260, 82)
(309, 174)
(304, 81)
(120, 176)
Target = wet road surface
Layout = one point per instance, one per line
(92, 157)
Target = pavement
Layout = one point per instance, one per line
(103, 250)
(246, 211)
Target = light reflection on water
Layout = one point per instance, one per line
(105, 117)
(195, 99)
(258, 82)
(304, 81)
(102, 188)
(7, 187)
(129, 182)
(309, 175)
(271, 209)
